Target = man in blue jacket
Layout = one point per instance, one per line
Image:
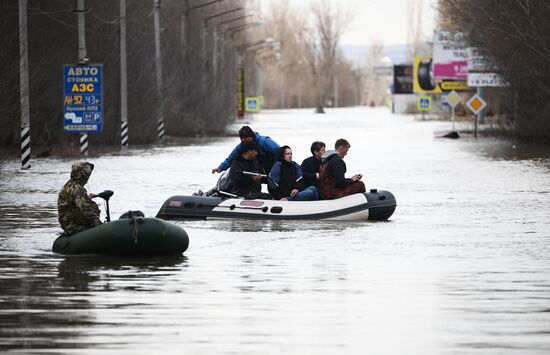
(266, 154)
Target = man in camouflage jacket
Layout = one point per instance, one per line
(77, 211)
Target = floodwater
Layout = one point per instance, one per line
(462, 267)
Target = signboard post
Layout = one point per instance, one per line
(424, 103)
(240, 93)
(453, 99)
(476, 104)
(82, 98)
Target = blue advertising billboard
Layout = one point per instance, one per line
(82, 98)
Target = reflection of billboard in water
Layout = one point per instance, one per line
(402, 79)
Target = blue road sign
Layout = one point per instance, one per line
(82, 98)
(424, 103)
(444, 101)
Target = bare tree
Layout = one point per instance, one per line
(322, 37)
(414, 28)
(376, 82)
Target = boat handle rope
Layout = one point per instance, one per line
(232, 207)
(135, 221)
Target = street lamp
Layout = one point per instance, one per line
(215, 36)
(202, 5)
(185, 15)
(249, 45)
(236, 29)
(222, 14)
(233, 20)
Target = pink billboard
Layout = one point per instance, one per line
(452, 70)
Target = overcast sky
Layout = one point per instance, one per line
(384, 20)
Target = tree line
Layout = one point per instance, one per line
(515, 37)
(198, 82)
(308, 68)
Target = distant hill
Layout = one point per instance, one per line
(358, 54)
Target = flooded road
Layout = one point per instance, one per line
(463, 265)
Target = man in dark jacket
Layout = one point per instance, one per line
(267, 149)
(242, 181)
(76, 210)
(310, 166)
(333, 183)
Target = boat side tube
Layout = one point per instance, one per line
(374, 205)
(381, 203)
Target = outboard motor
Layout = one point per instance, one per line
(106, 195)
(221, 186)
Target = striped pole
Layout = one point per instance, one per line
(84, 144)
(123, 79)
(160, 129)
(25, 147)
(158, 70)
(124, 134)
(81, 9)
(24, 87)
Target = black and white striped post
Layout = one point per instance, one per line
(124, 134)
(84, 144)
(25, 147)
(24, 87)
(160, 129)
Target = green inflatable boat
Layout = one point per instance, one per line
(132, 235)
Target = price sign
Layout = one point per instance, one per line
(82, 98)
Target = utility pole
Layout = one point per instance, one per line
(123, 79)
(82, 59)
(158, 66)
(24, 87)
(215, 51)
(183, 32)
(336, 91)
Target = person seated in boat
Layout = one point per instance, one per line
(287, 181)
(76, 210)
(332, 181)
(310, 166)
(267, 149)
(242, 181)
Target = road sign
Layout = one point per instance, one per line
(448, 85)
(478, 80)
(82, 98)
(453, 98)
(252, 104)
(424, 103)
(481, 72)
(476, 104)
